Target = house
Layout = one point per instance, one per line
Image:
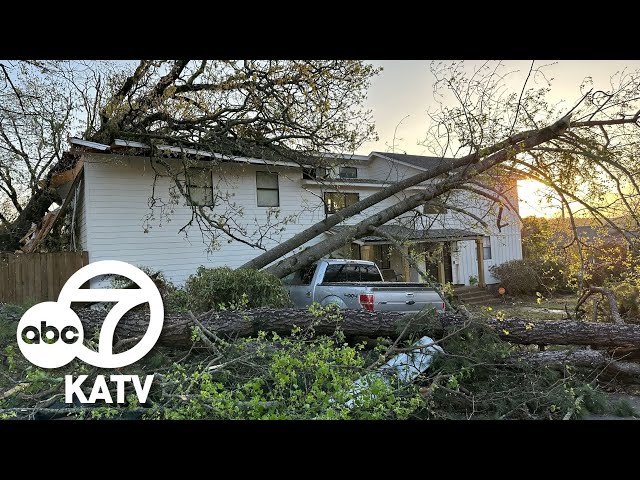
(126, 206)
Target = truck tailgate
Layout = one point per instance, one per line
(405, 298)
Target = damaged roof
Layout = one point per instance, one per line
(131, 147)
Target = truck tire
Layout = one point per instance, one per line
(333, 300)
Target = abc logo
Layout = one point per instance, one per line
(31, 334)
(50, 334)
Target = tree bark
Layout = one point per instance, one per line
(177, 327)
(317, 251)
(611, 298)
(32, 212)
(579, 358)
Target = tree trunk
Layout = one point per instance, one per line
(579, 358)
(317, 251)
(32, 212)
(177, 327)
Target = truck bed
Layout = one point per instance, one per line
(405, 285)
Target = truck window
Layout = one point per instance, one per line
(352, 273)
(306, 274)
(300, 277)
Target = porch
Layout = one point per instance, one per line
(437, 251)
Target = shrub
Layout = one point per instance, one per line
(628, 298)
(173, 298)
(517, 276)
(523, 277)
(224, 287)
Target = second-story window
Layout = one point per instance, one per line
(433, 208)
(336, 201)
(314, 173)
(348, 172)
(199, 187)
(267, 191)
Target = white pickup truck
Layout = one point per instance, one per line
(356, 284)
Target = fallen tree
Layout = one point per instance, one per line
(178, 326)
(579, 358)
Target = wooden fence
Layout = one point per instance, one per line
(37, 277)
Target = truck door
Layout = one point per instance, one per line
(302, 294)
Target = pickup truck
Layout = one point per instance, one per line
(356, 284)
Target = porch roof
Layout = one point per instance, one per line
(418, 236)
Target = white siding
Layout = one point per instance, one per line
(81, 218)
(383, 169)
(119, 223)
(120, 226)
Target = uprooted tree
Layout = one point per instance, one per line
(300, 111)
(264, 109)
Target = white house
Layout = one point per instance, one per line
(126, 207)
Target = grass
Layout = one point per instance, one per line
(528, 307)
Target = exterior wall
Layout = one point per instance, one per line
(505, 242)
(383, 169)
(81, 218)
(123, 226)
(119, 222)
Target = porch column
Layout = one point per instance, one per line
(406, 269)
(480, 256)
(441, 275)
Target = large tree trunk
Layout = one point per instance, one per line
(32, 212)
(317, 251)
(177, 327)
(579, 358)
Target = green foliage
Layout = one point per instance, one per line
(295, 377)
(628, 298)
(212, 288)
(448, 291)
(174, 299)
(473, 280)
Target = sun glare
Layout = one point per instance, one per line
(533, 200)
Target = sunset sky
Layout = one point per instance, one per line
(405, 87)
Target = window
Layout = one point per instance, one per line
(344, 272)
(486, 248)
(301, 277)
(199, 187)
(348, 172)
(267, 189)
(314, 173)
(433, 208)
(336, 201)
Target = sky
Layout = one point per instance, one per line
(401, 94)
